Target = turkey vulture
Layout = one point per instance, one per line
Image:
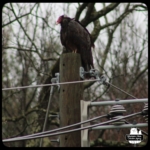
(76, 38)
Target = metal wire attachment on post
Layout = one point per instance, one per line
(53, 80)
(47, 111)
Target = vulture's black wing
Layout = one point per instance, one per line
(78, 39)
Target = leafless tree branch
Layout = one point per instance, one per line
(79, 10)
(18, 17)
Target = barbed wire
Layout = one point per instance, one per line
(69, 131)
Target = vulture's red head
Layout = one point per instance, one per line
(60, 19)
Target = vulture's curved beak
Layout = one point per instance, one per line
(57, 23)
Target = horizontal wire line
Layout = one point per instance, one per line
(62, 128)
(72, 82)
(46, 132)
(73, 130)
(42, 85)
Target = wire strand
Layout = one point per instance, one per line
(121, 90)
(46, 116)
(73, 130)
(62, 128)
(72, 82)
(42, 85)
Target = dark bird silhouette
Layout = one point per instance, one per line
(76, 38)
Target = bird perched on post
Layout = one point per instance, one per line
(76, 38)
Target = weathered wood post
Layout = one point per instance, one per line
(70, 96)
